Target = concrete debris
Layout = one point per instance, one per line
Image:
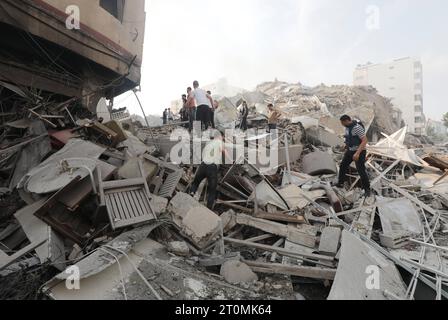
(195, 221)
(357, 261)
(329, 241)
(319, 163)
(179, 248)
(104, 195)
(237, 272)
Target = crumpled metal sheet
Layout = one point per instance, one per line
(393, 147)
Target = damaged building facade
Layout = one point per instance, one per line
(100, 59)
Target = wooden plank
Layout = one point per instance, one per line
(138, 207)
(280, 217)
(110, 211)
(141, 198)
(292, 233)
(234, 206)
(298, 271)
(293, 254)
(146, 203)
(22, 252)
(260, 238)
(123, 183)
(119, 210)
(131, 202)
(124, 204)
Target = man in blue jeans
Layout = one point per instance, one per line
(355, 145)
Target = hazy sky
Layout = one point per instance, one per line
(311, 41)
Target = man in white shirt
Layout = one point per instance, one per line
(212, 158)
(204, 103)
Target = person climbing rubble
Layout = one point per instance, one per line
(209, 168)
(355, 145)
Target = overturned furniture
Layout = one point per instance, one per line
(127, 201)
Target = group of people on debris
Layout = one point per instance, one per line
(355, 151)
(198, 105)
(168, 116)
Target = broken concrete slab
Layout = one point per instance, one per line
(100, 260)
(395, 239)
(319, 163)
(329, 241)
(323, 137)
(265, 194)
(131, 169)
(364, 274)
(201, 225)
(106, 282)
(158, 204)
(179, 248)
(181, 204)
(294, 196)
(399, 215)
(237, 272)
(135, 147)
(228, 220)
(196, 222)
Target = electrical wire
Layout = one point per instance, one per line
(120, 270)
(138, 272)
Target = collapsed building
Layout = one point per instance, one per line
(106, 200)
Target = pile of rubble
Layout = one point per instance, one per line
(102, 203)
(318, 109)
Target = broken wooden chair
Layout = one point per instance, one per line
(128, 202)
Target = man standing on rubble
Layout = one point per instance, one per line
(165, 117)
(184, 111)
(244, 115)
(273, 118)
(204, 103)
(191, 107)
(355, 145)
(170, 116)
(212, 158)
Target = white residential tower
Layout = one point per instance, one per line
(402, 81)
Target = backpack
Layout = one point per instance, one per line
(354, 141)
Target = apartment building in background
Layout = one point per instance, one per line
(402, 81)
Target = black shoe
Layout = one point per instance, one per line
(368, 193)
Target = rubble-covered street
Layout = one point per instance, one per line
(331, 188)
(106, 198)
